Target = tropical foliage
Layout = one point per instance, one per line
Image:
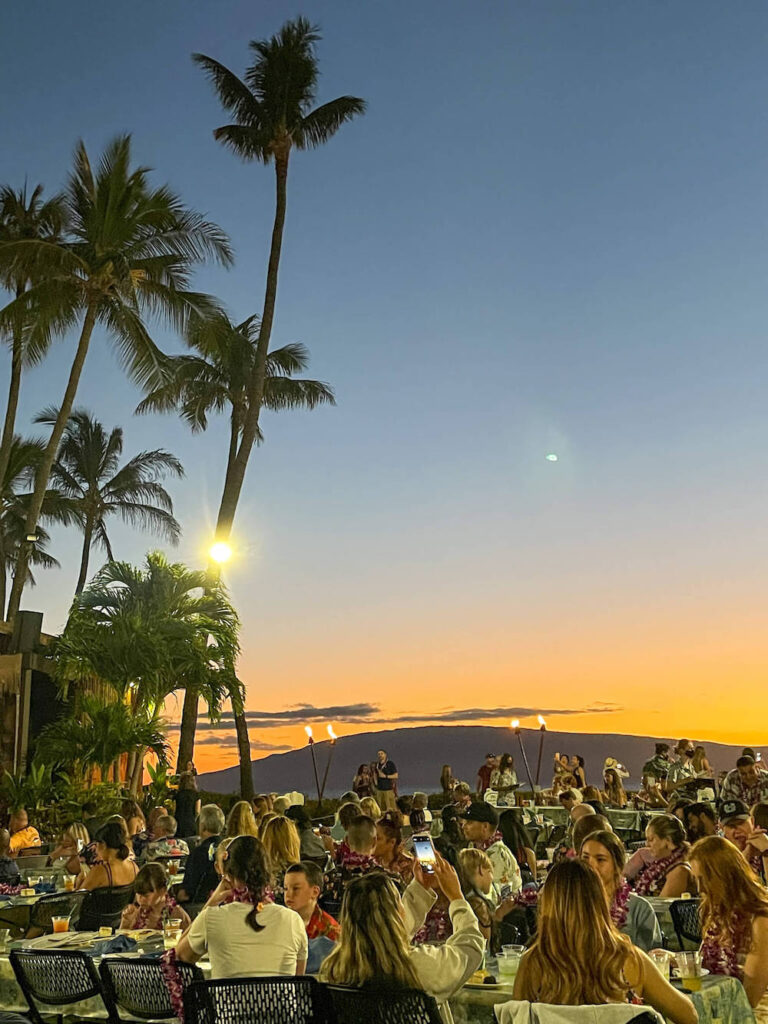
(87, 474)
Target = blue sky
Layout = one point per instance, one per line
(547, 234)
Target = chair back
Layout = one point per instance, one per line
(685, 919)
(377, 1004)
(137, 986)
(57, 904)
(557, 835)
(32, 861)
(280, 1000)
(102, 907)
(54, 977)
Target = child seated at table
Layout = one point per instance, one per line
(153, 902)
(484, 895)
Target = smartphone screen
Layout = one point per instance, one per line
(425, 853)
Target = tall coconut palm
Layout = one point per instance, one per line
(216, 380)
(22, 216)
(24, 457)
(273, 114)
(150, 632)
(127, 256)
(88, 475)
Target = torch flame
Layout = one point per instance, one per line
(308, 731)
(515, 723)
(541, 721)
(332, 734)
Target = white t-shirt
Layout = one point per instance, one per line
(236, 950)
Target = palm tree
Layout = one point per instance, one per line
(216, 380)
(127, 255)
(272, 112)
(22, 217)
(87, 473)
(149, 632)
(24, 457)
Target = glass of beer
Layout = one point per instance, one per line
(171, 935)
(60, 924)
(172, 867)
(69, 883)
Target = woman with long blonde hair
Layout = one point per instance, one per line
(734, 917)
(241, 821)
(282, 844)
(370, 808)
(376, 927)
(579, 958)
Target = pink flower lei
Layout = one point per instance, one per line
(620, 905)
(652, 878)
(726, 957)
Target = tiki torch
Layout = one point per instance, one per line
(518, 732)
(311, 742)
(333, 737)
(542, 730)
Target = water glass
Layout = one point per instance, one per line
(508, 964)
(661, 960)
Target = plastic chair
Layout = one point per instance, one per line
(137, 986)
(281, 1000)
(685, 919)
(56, 904)
(102, 907)
(54, 978)
(382, 1005)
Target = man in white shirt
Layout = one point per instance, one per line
(480, 823)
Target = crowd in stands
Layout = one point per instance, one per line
(266, 890)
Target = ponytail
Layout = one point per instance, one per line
(246, 865)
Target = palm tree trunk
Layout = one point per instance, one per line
(243, 747)
(188, 728)
(137, 775)
(236, 472)
(49, 456)
(3, 577)
(87, 540)
(9, 425)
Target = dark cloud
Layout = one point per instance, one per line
(353, 713)
(230, 740)
(481, 714)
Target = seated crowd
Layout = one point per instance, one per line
(266, 892)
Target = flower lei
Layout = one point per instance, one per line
(620, 905)
(651, 880)
(527, 897)
(7, 889)
(720, 958)
(145, 913)
(484, 844)
(353, 861)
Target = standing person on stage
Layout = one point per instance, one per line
(484, 773)
(386, 782)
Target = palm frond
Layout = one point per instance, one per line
(324, 121)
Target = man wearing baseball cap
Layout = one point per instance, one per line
(739, 829)
(480, 823)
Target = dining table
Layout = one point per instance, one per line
(721, 999)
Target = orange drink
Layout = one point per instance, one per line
(60, 924)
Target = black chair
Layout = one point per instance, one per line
(137, 986)
(54, 978)
(685, 919)
(102, 907)
(382, 1005)
(57, 904)
(282, 1000)
(557, 835)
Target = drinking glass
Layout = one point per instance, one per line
(171, 935)
(508, 964)
(69, 883)
(33, 880)
(660, 959)
(172, 867)
(689, 965)
(60, 924)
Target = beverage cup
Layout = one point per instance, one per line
(508, 964)
(171, 935)
(69, 883)
(689, 965)
(33, 880)
(60, 924)
(172, 867)
(661, 961)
